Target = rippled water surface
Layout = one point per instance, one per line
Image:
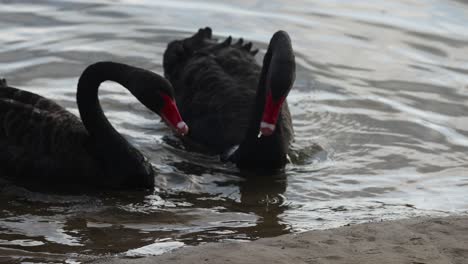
(379, 105)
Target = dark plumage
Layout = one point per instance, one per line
(225, 96)
(42, 142)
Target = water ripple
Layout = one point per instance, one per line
(379, 109)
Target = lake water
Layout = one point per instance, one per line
(379, 105)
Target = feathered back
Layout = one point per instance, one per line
(36, 134)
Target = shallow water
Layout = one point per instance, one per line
(379, 106)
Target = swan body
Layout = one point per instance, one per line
(42, 142)
(233, 106)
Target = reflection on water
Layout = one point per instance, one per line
(379, 109)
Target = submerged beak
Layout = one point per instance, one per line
(170, 114)
(270, 115)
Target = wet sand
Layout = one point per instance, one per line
(412, 241)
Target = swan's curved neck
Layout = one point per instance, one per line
(106, 143)
(264, 135)
(89, 107)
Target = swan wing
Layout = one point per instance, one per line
(34, 140)
(28, 98)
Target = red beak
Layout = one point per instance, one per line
(170, 114)
(270, 115)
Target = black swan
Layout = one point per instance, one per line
(40, 141)
(233, 106)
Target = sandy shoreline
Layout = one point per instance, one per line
(412, 241)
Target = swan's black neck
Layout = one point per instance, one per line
(276, 79)
(122, 162)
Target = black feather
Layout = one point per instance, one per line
(41, 142)
(218, 86)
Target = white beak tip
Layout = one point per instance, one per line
(266, 129)
(182, 128)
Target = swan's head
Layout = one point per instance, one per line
(278, 75)
(156, 93)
